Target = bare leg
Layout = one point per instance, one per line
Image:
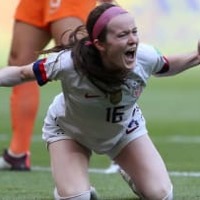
(69, 162)
(27, 40)
(63, 25)
(142, 162)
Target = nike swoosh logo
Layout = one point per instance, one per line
(128, 131)
(87, 95)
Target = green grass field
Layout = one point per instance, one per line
(171, 107)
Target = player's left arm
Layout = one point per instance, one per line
(179, 63)
(14, 75)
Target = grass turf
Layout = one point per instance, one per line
(170, 106)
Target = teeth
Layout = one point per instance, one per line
(131, 50)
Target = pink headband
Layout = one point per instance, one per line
(105, 18)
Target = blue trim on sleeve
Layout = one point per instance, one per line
(39, 71)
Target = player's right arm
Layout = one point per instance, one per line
(14, 75)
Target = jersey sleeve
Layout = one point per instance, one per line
(151, 60)
(52, 68)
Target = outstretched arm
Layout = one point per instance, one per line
(179, 63)
(14, 75)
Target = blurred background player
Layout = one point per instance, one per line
(33, 29)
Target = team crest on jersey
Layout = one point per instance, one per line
(135, 87)
(137, 91)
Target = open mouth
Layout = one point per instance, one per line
(130, 55)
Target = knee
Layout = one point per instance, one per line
(15, 58)
(161, 192)
(21, 57)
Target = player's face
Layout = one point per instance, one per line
(121, 42)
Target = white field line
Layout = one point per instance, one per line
(104, 171)
(185, 174)
(164, 139)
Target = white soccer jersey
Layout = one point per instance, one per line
(96, 119)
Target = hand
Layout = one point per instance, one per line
(199, 51)
(199, 46)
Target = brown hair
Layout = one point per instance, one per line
(86, 58)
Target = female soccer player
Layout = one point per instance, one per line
(102, 73)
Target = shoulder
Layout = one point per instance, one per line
(148, 59)
(149, 56)
(59, 56)
(147, 52)
(62, 59)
